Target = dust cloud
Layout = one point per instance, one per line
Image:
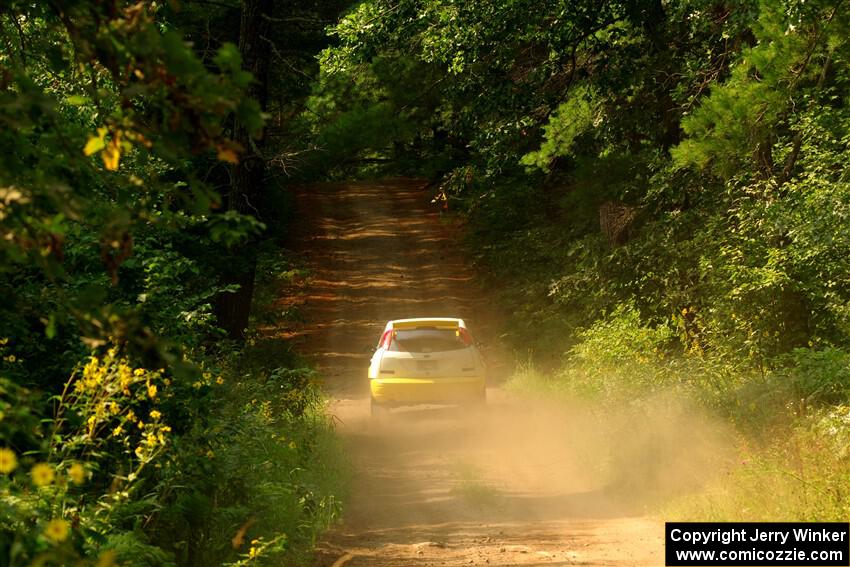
(555, 458)
(541, 476)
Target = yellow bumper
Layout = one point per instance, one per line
(427, 390)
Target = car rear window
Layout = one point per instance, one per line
(426, 340)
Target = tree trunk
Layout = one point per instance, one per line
(234, 309)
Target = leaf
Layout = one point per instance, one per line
(94, 145)
(50, 328)
(76, 100)
(228, 57)
(228, 155)
(112, 154)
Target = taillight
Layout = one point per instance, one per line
(386, 339)
(465, 336)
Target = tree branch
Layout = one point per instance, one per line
(791, 161)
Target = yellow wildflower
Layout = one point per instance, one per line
(197, 385)
(141, 424)
(139, 371)
(8, 460)
(92, 375)
(125, 376)
(57, 530)
(151, 391)
(117, 431)
(131, 416)
(207, 375)
(210, 454)
(42, 474)
(11, 358)
(114, 408)
(77, 473)
(219, 380)
(252, 553)
(155, 415)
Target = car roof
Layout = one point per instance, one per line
(448, 322)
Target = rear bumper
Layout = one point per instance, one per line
(427, 390)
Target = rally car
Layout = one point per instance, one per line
(426, 361)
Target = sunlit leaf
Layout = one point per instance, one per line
(94, 145)
(76, 100)
(228, 155)
(112, 154)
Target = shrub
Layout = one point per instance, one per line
(85, 467)
(140, 467)
(819, 376)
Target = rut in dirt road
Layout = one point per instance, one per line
(509, 485)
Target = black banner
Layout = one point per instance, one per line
(758, 544)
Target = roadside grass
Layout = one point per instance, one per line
(280, 460)
(290, 452)
(269, 474)
(263, 474)
(767, 487)
(470, 487)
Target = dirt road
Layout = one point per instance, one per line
(512, 485)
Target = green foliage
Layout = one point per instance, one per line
(96, 144)
(820, 376)
(742, 117)
(254, 463)
(567, 124)
(367, 114)
(621, 338)
(130, 431)
(231, 228)
(106, 429)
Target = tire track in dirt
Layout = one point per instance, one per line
(511, 485)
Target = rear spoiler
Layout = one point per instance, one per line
(418, 324)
